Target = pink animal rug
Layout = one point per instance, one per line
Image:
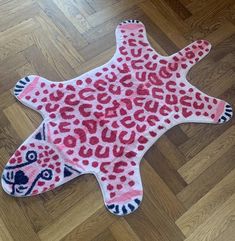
(104, 121)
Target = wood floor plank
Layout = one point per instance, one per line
(169, 150)
(121, 230)
(227, 234)
(62, 44)
(11, 63)
(201, 135)
(25, 70)
(36, 212)
(206, 206)
(8, 141)
(223, 48)
(88, 7)
(161, 221)
(53, 56)
(224, 32)
(14, 45)
(13, 13)
(4, 233)
(98, 46)
(221, 84)
(170, 30)
(200, 75)
(111, 11)
(158, 192)
(169, 11)
(230, 96)
(179, 9)
(73, 14)
(106, 235)
(218, 222)
(6, 100)
(92, 227)
(99, 5)
(35, 57)
(20, 29)
(164, 169)
(7, 80)
(108, 27)
(165, 45)
(62, 199)
(157, 46)
(201, 185)
(201, 14)
(63, 24)
(72, 218)
(9, 208)
(23, 125)
(207, 156)
(143, 227)
(177, 137)
(100, 59)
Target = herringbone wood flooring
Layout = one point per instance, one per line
(188, 175)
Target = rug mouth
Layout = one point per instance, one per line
(12, 188)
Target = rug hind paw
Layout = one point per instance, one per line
(125, 208)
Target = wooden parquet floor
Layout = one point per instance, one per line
(188, 175)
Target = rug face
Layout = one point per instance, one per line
(103, 121)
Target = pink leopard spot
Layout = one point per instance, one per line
(70, 141)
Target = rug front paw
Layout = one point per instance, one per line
(227, 114)
(22, 84)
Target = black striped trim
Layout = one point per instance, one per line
(19, 87)
(129, 21)
(125, 208)
(226, 115)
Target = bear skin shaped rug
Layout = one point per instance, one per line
(104, 121)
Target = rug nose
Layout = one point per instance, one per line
(11, 180)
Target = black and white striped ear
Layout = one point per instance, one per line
(129, 21)
(21, 84)
(40, 135)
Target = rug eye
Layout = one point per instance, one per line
(31, 156)
(46, 174)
